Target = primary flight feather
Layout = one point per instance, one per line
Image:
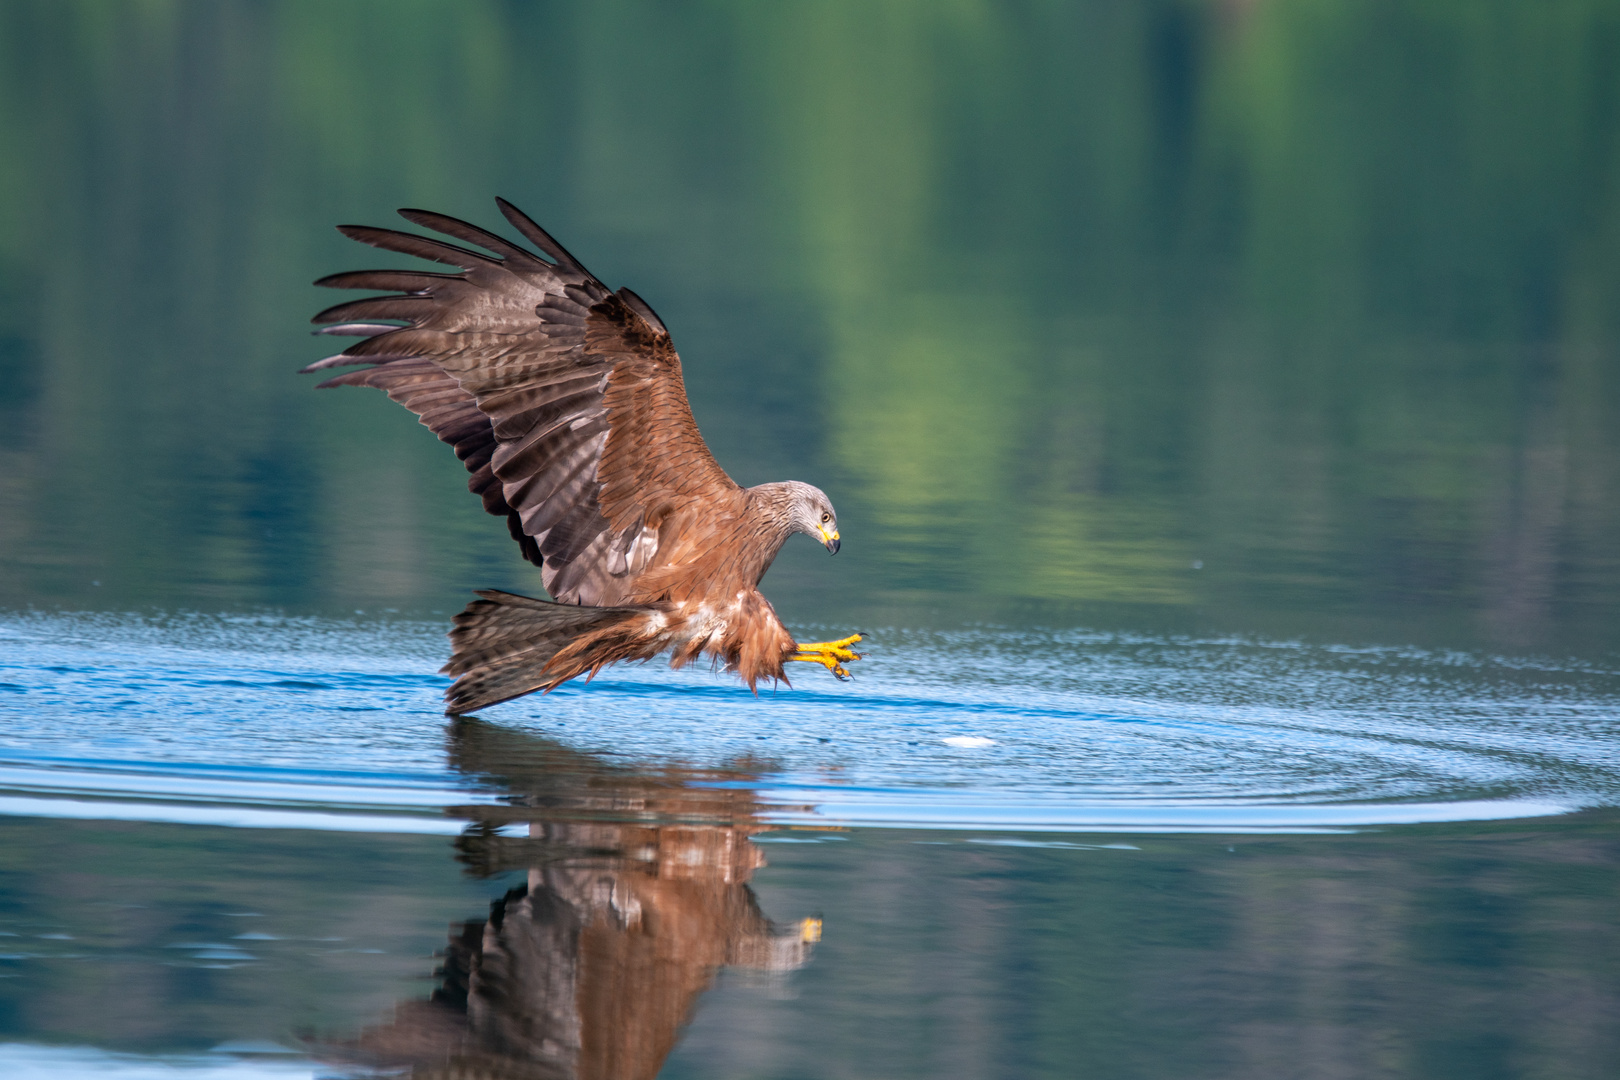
(565, 401)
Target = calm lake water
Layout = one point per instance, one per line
(1222, 404)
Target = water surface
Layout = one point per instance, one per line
(1128, 852)
(984, 727)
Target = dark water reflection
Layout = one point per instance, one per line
(636, 896)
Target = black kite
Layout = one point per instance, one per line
(565, 401)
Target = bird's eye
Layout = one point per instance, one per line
(826, 517)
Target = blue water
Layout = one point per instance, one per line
(25, 1062)
(274, 722)
(1039, 784)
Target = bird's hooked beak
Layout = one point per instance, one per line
(829, 540)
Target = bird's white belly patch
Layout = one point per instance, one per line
(705, 623)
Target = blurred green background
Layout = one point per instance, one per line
(1289, 316)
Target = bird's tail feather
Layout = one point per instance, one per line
(504, 644)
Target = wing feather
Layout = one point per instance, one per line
(540, 238)
(569, 466)
(408, 307)
(564, 400)
(574, 532)
(407, 281)
(472, 234)
(358, 329)
(411, 244)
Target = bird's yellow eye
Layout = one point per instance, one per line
(826, 517)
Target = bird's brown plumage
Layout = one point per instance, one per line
(566, 403)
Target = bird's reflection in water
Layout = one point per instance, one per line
(636, 896)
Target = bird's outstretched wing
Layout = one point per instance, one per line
(564, 399)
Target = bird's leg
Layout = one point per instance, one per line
(829, 653)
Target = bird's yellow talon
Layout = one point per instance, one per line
(823, 646)
(829, 653)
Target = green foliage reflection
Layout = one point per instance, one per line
(1056, 300)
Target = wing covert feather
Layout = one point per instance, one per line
(655, 456)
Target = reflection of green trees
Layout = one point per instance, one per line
(347, 919)
(1451, 952)
(1061, 298)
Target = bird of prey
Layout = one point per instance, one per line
(565, 401)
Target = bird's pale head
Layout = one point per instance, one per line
(812, 513)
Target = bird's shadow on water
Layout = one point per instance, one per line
(635, 896)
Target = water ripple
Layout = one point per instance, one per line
(272, 722)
